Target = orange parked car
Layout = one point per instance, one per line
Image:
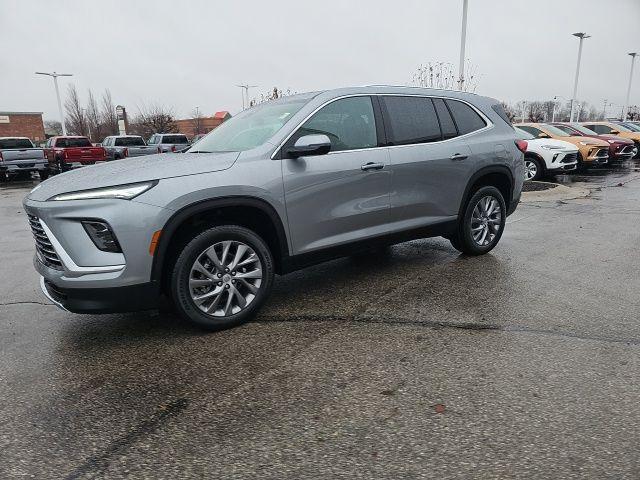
(612, 128)
(591, 151)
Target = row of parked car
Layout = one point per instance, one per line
(561, 147)
(61, 153)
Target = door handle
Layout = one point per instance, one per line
(372, 166)
(458, 156)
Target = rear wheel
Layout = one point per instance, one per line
(481, 226)
(222, 277)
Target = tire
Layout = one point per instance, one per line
(533, 169)
(229, 283)
(580, 167)
(3, 177)
(463, 239)
(43, 174)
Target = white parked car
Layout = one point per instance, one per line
(546, 156)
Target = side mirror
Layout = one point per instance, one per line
(614, 132)
(310, 145)
(543, 135)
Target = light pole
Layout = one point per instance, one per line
(55, 82)
(524, 109)
(245, 91)
(625, 110)
(553, 112)
(463, 41)
(581, 36)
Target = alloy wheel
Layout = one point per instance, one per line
(486, 220)
(225, 278)
(530, 169)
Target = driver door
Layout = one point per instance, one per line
(341, 196)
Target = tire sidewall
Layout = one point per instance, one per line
(465, 227)
(539, 170)
(180, 276)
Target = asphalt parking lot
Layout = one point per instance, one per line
(415, 362)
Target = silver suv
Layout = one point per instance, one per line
(281, 186)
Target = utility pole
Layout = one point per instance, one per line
(55, 83)
(625, 110)
(581, 36)
(463, 41)
(553, 112)
(245, 90)
(524, 108)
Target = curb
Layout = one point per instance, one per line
(560, 192)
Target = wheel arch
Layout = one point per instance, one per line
(498, 176)
(251, 212)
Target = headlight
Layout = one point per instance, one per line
(611, 141)
(551, 147)
(124, 192)
(584, 143)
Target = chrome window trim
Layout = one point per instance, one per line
(489, 124)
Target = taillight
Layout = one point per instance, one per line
(522, 145)
(125, 152)
(173, 148)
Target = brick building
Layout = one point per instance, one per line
(189, 126)
(22, 124)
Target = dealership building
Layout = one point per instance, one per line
(22, 124)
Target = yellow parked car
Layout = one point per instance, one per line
(615, 128)
(591, 151)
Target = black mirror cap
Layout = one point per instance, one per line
(308, 150)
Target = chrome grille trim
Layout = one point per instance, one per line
(44, 249)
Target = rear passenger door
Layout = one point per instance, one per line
(430, 160)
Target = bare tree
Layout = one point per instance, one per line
(509, 111)
(152, 119)
(52, 127)
(196, 120)
(108, 115)
(94, 120)
(271, 95)
(634, 113)
(76, 121)
(536, 111)
(442, 75)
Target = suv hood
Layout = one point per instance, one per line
(538, 142)
(133, 170)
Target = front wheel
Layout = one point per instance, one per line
(532, 169)
(222, 277)
(480, 228)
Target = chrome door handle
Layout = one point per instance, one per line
(372, 166)
(458, 156)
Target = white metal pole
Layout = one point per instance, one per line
(463, 41)
(55, 82)
(625, 110)
(581, 36)
(524, 107)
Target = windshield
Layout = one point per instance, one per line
(555, 131)
(620, 127)
(180, 139)
(584, 130)
(15, 143)
(252, 127)
(522, 135)
(632, 127)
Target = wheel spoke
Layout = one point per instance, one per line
(213, 306)
(242, 302)
(240, 251)
(200, 282)
(485, 230)
(251, 287)
(213, 256)
(225, 251)
(252, 274)
(228, 308)
(250, 259)
(205, 296)
(198, 267)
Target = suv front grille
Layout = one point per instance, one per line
(44, 248)
(569, 158)
(603, 152)
(626, 150)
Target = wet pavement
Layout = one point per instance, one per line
(414, 362)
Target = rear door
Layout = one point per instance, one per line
(429, 160)
(342, 196)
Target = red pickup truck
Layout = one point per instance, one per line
(65, 153)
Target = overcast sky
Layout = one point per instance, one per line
(192, 53)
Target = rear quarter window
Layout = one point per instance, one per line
(467, 119)
(411, 120)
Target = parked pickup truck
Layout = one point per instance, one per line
(169, 142)
(122, 146)
(65, 153)
(18, 154)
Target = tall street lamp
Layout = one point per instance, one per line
(55, 82)
(625, 110)
(581, 36)
(463, 41)
(245, 91)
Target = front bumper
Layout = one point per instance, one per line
(129, 298)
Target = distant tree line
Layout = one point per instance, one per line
(543, 111)
(98, 120)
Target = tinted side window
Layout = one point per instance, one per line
(466, 117)
(349, 123)
(411, 120)
(599, 128)
(446, 122)
(533, 131)
(153, 139)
